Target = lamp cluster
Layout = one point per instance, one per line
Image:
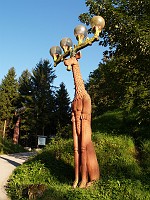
(97, 24)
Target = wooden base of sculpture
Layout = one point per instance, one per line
(85, 160)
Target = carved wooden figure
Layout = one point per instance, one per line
(85, 159)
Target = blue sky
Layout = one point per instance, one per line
(29, 28)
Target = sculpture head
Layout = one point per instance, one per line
(72, 61)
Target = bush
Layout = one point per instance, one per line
(117, 156)
(145, 157)
(25, 176)
(6, 146)
(53, 169)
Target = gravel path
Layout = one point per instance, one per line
(7, 164)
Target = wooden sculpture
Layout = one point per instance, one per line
(85, 159)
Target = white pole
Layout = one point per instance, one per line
(4, 129)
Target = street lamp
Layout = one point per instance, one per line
(97, 24)
(85, 160)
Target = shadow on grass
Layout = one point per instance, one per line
(60, 170)
(53, 194)
(109, 122)
(60, 176)
(120, 123)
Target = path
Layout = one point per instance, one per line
(7, 164)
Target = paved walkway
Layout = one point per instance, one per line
(7, 164)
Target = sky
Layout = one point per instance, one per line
(29, 28)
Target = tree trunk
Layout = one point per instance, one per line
(16, 132)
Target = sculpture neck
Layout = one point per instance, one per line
(78, 81)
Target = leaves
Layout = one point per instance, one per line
(63, 110)
(8, 96)
(45, 106)
(123, 79)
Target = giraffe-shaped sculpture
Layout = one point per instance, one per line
(85, 159)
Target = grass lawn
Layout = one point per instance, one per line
(50, 174)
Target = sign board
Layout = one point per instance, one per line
(42, 140)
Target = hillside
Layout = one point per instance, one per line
(124, 170)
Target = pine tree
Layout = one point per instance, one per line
(8, 98)
(26, 101)
(63, 110)
(43, 98)
(25, 87)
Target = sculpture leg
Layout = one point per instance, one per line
(84, 141)
(89, 161)
(92, 164)
(76, 153)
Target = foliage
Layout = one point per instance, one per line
(123, 79)
(25, 100)
(145, 156)
(123, 174)
(28, 174)
(7, 147)
(8, 98)
(43, 105)
(63, 111)
(43, 96)
(106, 88)
(25, 88)
(122, 123)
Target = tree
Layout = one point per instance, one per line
(43, 98)
(127, 35)
(63, 110)
(25, 88)
(8, 98)
(106, 89)
(25, 101)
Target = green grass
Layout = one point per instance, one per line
(121, 123)
(7, 147)
(124, 174)
(145, 156)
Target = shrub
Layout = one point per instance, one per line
(145, 156)
(6, 146)
(117, 156)
(25, 176)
